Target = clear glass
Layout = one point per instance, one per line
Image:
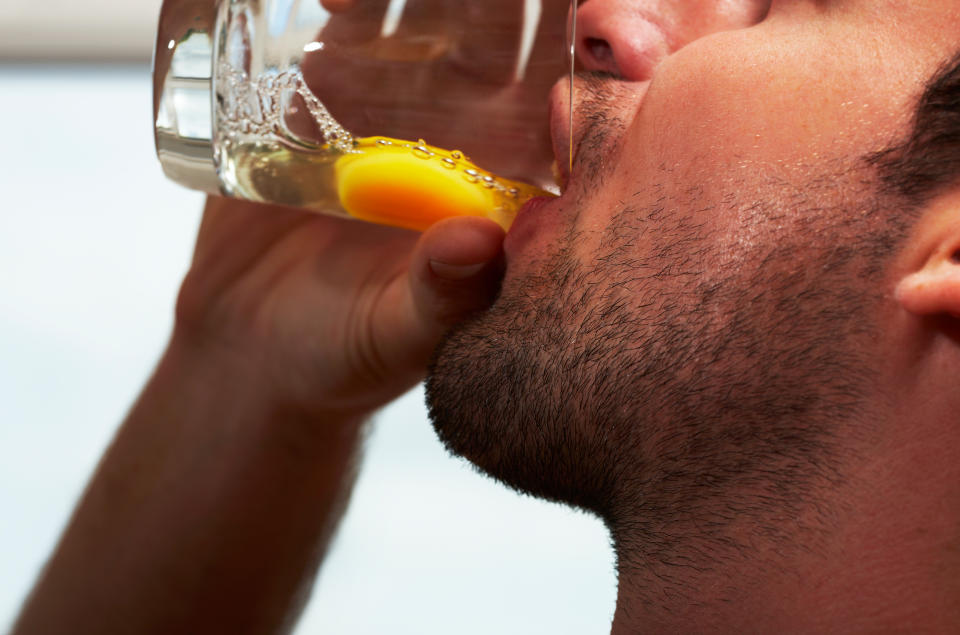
(401, 112)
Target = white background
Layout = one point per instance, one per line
(93, 243)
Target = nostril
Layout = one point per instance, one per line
(600, 53)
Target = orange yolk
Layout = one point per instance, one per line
(395, 182)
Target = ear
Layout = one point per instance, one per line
(931, 286)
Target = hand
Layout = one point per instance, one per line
(223, 486)
(447, 76)
(334, 316)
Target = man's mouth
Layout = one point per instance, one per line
(532, 215)
(560, 132)
(526, 225)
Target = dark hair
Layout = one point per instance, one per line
(929, 159)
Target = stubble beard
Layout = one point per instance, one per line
(676, 393)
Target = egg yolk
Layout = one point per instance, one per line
(399, 183)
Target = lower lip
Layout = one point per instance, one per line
(526, 223)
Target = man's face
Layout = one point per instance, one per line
(733, 111)
(699, 317)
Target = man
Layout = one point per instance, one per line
(734, 337)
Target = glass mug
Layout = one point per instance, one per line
(350, 112)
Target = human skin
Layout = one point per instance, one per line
(714, 339)
(214, 504)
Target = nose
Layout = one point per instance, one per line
(628, 38)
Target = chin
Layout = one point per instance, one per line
(499, 394)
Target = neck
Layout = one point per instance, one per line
(877, 551)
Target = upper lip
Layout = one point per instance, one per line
(560, 129)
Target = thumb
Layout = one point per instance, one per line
(454, 270)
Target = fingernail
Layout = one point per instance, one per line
(455, 272)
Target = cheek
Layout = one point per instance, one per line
(769, 98)
(724, 15)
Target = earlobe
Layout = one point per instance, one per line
(934, 289)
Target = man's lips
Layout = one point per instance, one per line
(531, 216)
(525, 225)
(560, 130)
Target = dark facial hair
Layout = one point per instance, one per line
(676, 391)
